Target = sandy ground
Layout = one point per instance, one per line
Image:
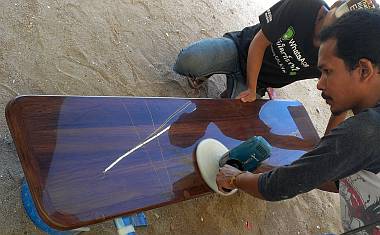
(127, 47)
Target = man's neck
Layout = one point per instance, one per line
(372, 98)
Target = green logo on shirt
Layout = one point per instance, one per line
(289, 34)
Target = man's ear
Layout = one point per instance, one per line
(366, 69)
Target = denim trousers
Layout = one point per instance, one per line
(211, 56)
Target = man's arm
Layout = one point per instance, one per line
(334, 121)
(249, 182)
(256, 53)
(338, 155)
(230, 178)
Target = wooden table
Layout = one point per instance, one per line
(65, 143)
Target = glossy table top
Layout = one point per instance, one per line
(65, 143)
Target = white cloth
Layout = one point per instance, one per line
(360, 201)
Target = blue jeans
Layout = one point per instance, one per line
(212, 56)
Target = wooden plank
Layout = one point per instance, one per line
(65, 143)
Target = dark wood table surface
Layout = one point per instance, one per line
(65, 143)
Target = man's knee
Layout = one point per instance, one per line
(187, 63)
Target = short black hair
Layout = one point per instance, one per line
(357, 35)
(338, 4)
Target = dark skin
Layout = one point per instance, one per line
(342, 88)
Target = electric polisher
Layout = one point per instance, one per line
(247, 156)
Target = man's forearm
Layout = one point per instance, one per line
(254, 62)
(256, 53)
(249, 183)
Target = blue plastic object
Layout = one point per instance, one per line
(125, 225)
(139, 220)
(31, 211)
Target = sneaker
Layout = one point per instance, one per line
(196, 82)
(224, 94)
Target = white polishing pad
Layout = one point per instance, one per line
(208, 154)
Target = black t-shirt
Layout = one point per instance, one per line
(289, 25)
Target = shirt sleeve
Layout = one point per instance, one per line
(350, 147)
(277, 19)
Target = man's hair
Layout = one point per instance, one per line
(357, 35)
(338, 3)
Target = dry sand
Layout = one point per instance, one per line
(127, 47)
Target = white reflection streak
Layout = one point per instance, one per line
(152, 136)
(180, 109)
(135, 148)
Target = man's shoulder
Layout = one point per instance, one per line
(322, 2)
(365, 123)
(302, 3)
(369, 115)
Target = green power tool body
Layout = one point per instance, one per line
(248, 155)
